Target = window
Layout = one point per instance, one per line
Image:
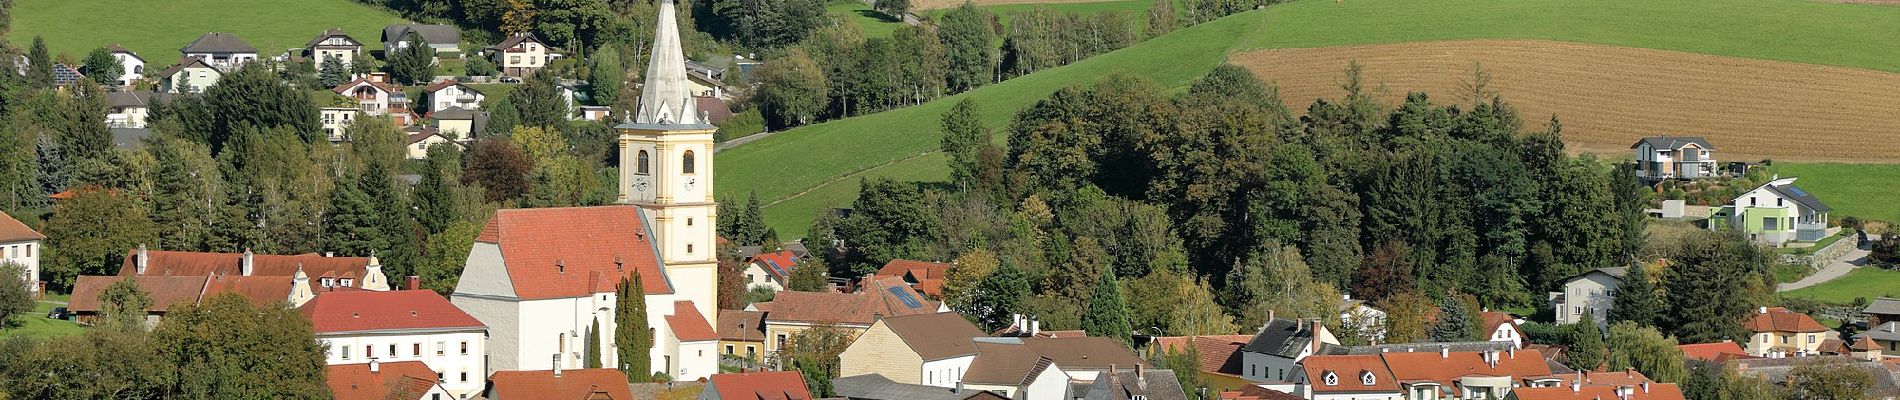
(346, 352)
(1751, 201)
(749, 352)
(29, 250)
(728, 349)
(464, 376)
(686, 162)
(1253, 370)
(326, 282)
(441, 348)
(369, 351)
(1366, 377)
(689, 222)
(392, 350)
(643, 162)
(415, 349)
(689, 248)
(465, 348)
(1810, 338)
(347, 281)
(1331, 379)
(1779, 201)
(781, 341)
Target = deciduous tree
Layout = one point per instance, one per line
(226, 347)
(101, 67)
(1646, 350)
(123, 306)
(90, 234)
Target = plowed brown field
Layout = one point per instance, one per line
(936, 4)
(1609, 96)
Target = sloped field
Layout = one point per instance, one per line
(936, 4)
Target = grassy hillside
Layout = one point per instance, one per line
(784, 167)
(157, 29)
(874, 23)
(1862, 190)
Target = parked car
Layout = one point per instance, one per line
(59, 313)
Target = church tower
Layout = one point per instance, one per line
(666, 168)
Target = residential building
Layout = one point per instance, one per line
(65, 76)
(791, 311)
(1776, 332)
(1589, 291)
(776, 385)
(372, 95)
(190, 75)
(716, 109)
(333, 43)
(770, 270)
(593, 113)
(521, 55)
(1139, 384)
(1467, 375)
(364, 273)
(1713, 352)
(742, 335)
(1885, 336)
(169, 291)
(403, 325)
(130, 62)
(1346, 377)
(1013, 371)
(221, 50)
(128, 108)
(1882, 310)
(706, 80)
(336, 120)
(375, 380)
(589, 384)
(1778, 212)
(1253, 392)
(1220, 363)
(1864, 348)
(1674, 157)
(20, 244)
(878, 387)
(423, 137)
(1082, 358)
(925, 277)
(443, 38)
(1276, 350)
(1501, 327)
(924, 349)
(1369, 322)
(459, 124)
(1885, 384)
(1642, 391)
(445, 94)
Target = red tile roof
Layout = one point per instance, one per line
(166, 291)
(1446, 368)
(574, 251)
(595, 383)
(1653, 391)
(779, 263)
(200, 264)
(260, 289)
(1255, 392)
(12, 230)
(1717, 352)
(778, 385)
(1625, 377)
(1778, 319)
(741, 325)
(359, 311)
(1493, 318)
(861, 308)
(926, 276)
(688, 325)
(1219, 353)
(411, 379)
(1348, 369)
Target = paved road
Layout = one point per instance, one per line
(1853, 259)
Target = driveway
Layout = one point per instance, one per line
(1853, 259)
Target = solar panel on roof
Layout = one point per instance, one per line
(1797, 190)
(909, 301)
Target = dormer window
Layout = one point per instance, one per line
(1366, 377)
(326, 282)
(347, 282)
(1332, 379)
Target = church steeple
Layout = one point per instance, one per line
(667, 98)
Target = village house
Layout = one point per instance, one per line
(770, 270)
(65, 76)
(130, 62)
(333, 43)
(877, 387)
(1082, 358)
(402, 325)
(558, 383)
(1674, 157)
(220, 50)
(1638, 391)
(373, 96)
(925, 277)
(1276, 350)
(190, 75)
(791, 312)
(364, 273)
(420, 138)
(20, 244)
(1220, 363)
(742, 335)
(128, 108)
(1776, 332)
(592, 113)
(522, 54)
(1777, 212)
(459, 124)
(1014, 371)
(442, 38)
(446, 94)
(707, 81)
(1346, 377)
(1883, 324)
(336, 120)
(1501, 327)
(775, 385)
(1443, 373)
(170, 291)
(1589, 291)
(923, 349)
(1716, 352)
(1138, 384)
(1369, 322)
(375, 380)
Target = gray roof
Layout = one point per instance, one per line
(1800, 196)
(1884, 306)
(218, 42)
(516, 40)
(1158, 384)
(797, 248)
(749, 251)
(130, 138)
(1617, 272)
(115, 48)
(453, 112)
(1280, 337)
(1777, 369)
(434, 34)
(1416, 348)
(877, 387)
(1884, 332)
(134, 98)
(328, 33)
(1674, 142)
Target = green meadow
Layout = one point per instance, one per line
(156, 29)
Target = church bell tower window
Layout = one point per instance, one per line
(643, 163)
(686, 162)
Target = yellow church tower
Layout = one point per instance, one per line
(666, 168)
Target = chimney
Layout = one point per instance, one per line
(144, 259)
(329, 254)
(1139, 370)
(412, 282)
(248, 263)
(1269, 316)
(1645, 387)
(958, 389)
(1111, 370)
(1035, 327)
(1513, 352)
(557, 365)
(375, 366)
(1575, 386)
(1763, 310)
(1444, 351)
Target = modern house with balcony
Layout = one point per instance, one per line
(1777, 212)
(221, 50)
(522, 54)
(450, 93)
(333, 43)
(1675, 157)
(371, 96)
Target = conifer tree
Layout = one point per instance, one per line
(332, 72)
(1636, 300)
(39, 64)
(1586, 343)
(593, 345)
(808, 276)
(1454, 321)
(434, 196)
(413, 64)
(606, 77)
(350, 227)
(102, 68)
(1107, 315)
(632, 337)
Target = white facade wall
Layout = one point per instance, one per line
(560, 326)
(224, 60)
(1505, 333)
(191, 80)
(1591, 292)
(25, 253)
(756, 276)
(1266, 367)
(451, 97)
(1052, 384)
(458, 356)
(946, 372)
(128, 117)
(1370, 321)
(335, 120)
(696, 360)
(134, 68)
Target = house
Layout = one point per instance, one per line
(1885, 385)
(558, 383)
(776, 385)
(716, 109)
(543, 280)
(169, 291)
(1220, 363)
(128, 108)
(923, 349)
(1864, 348)
(925, 277)
(372, 95)
(1346, 377)
(1368, 322)
(592, 113)
(1276, 350)
(1082, 358)
(1589, 291)
(1882, 310)
(1501, 327)
(20, 244)
(1777, 332)
(375, 380)
(333, 43)
(1139, 384)
(220, 50)
(741, 335)
(521, 55)
(1713, 352)
(1674, 157)
(66, 75)
(1885, 336)
(403, 325)
(443, 38)
(790, 312)
(449, 93)
(706, 80)
(418, 143)
(336, 120)
(1467, 375)
(770, 270)
(131, 63)
(459, 124)
(1250, 392)
(1011, 371)
(1778, 212)
(364, 273)
(1642, 391)
(877, 387)
(190, 75)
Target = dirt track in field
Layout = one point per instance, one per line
(1608, 97)
(937, 4)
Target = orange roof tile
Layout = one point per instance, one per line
(1778, 319)
(861, 308)
(359, 311)
(1712, 351)
(930, 270)
(1445, 368)
(688, 325)
(1653, 391)
(776, 385)
(411, 379)
(778, 263)
(575, 251)
(1625, 377)
(1219, 353)
(199, 264)
(166, 291)
(12, 230)
(260, 289)
(1348, 369)
(1493, 318)
(595, 383)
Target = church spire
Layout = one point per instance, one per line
(667, 98)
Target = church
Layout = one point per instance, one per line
(543, 280)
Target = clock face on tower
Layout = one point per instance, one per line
(640, 184)
(690, 182)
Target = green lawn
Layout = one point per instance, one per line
(1870, 191)
(36, 325)
(872, 22)
(1865, 282)
(157, 29)
(1135, 10)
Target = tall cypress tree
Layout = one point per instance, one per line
(632, 339)
(1636, 300)
(593, 345)
(1108, 315)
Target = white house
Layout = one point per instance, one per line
(443, 38)
(1501, 327)
(1589, 291)
(1778, 212)
(459, 124)
(523, 54)
(770, 270)
(1017, 372)
(21, 245)
(1674, 157)
(922, 349)
(128, 108)
(1275, 352)
(404, 325)
(190, 75)
(336, 120)
(450, 93)
(1345, 377)
(221, 50)
(333, 43)
(371, 95)
(131, 63)
(1367, 321)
